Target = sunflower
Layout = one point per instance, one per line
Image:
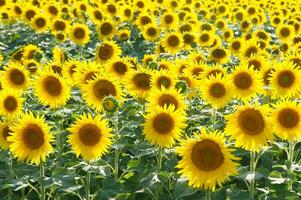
(194, 69)
(58, 55)
(257, 62)
(52, 9)
(30, 139)
(285, 32)
(124, 34)
(138, 83)
(163, 126)
(30, 51)
(295, 58)
(173, 42)
(29, 13)
(59, 25)
(166, 97)
(106, 30)
(31, 65)
(11, 103)
(249, 127)
(246, 82)
(286, 120)
(119, 67)
(17, 10)
(151, 32)
(249, 48)
(100, 87)
(87, 71)
(40, 23)
(169, 20)
(96, 15)
(285, 80)
(69, 69)
(54, 66)
(206, 38)
(79, 34)
(144, 19)
(107, 51)
(90, 137)
(219, 54)
(189, 39)
(212, 70)
(15, 76)
(216, 91)
(51, 89)
(206, 160)
(148, 58)
(163, 79)
(165, 64)
(4, 133)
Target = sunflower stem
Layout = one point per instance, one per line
(42, 176)
(252, 170)
(10, 174)
(213, 117)
(23, 193)
(88, 179)
(159, 166)
(116, 159)
(291, 146)
(208, 194)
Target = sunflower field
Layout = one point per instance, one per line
(150, 99)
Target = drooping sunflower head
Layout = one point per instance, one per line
(90, 137)
(163, 126)
(30, 139)
(286, 118)
(15, 76)
(206, 160)
(107, 51)
(51, 89)
(100, 87)
(249, 127)
(79, 34)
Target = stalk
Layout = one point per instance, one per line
(159, 166)
(252, 170)
(42, 175)
(208, 194)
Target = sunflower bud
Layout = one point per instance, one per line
(110, 104)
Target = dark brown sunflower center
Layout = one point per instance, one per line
(105, 52)
(151, 31)
(60, 26)
(207, 155)
(17, 77)
(142, 81)
(236, 45)
(251, 122)
(164, 81)
(106, 28)
(57, 69)
(285, 32)
(112, 9)
(97, 15)
(167, 100)
(72, 69)
(30, 14)
(214, 73)
(188, 39)
(103, 88)
(145, 20)
(128, 12)
(10, 103)
(89, 134)
(288, 118)
(163, 123)
(217, 90)
(120, 67)
(53, 10)
(204, 37)
(173, 41)
(40, 22)
(267, 76)
(79, 33)
(52, 86)
(243, 80)
(18, 10)
(168, 19)
(2, 2)
(218, 53)
(286, 79)
(33, 136)
(296, 61)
